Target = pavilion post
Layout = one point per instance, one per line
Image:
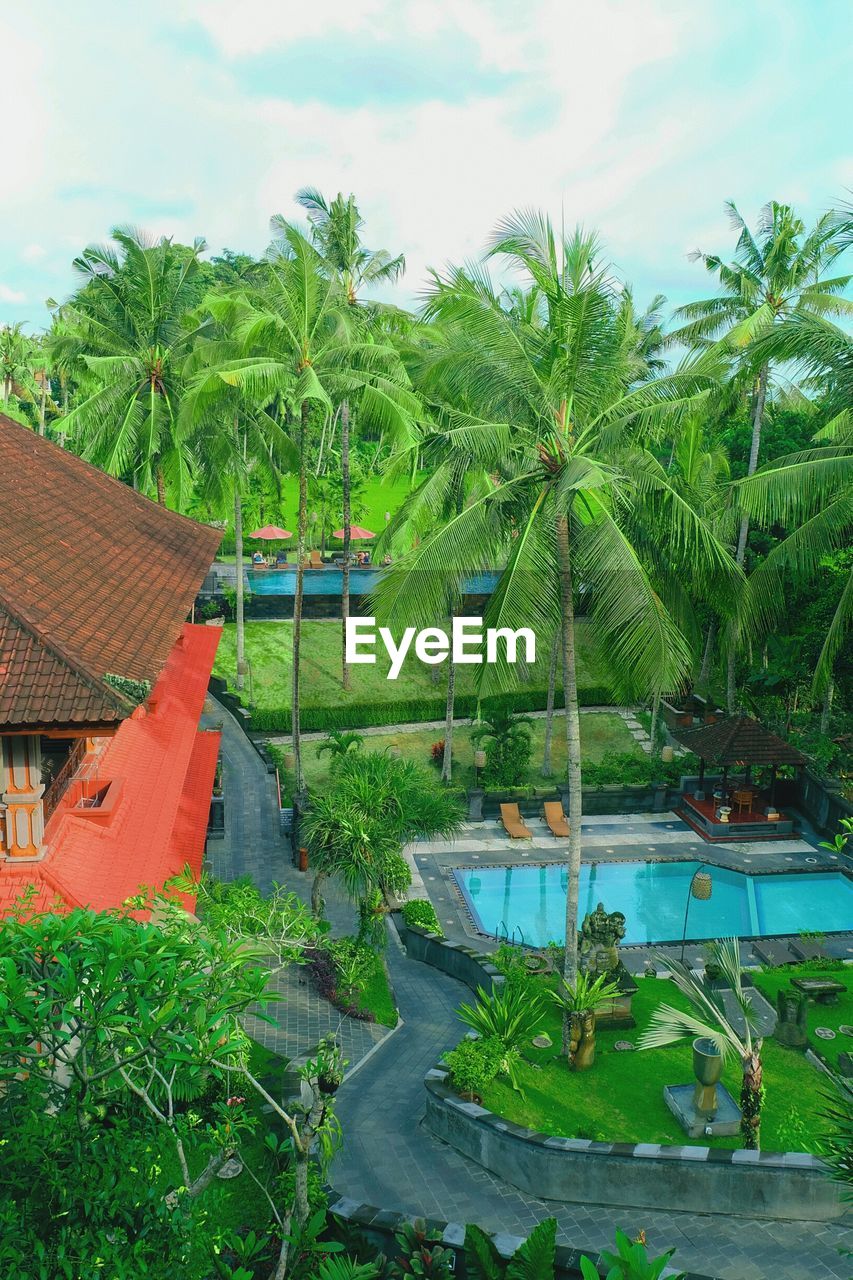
(699, 793)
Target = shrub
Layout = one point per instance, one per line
(631, 769)
(511, 962)
(509, 1015)
(437, 752)
(325, 964)
(396, 874)
(421, 912)
(421, 1254)
(386, 711)
(473, 1064)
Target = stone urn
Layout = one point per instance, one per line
(707, 1068)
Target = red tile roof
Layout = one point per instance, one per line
(153, 820)
(738, 740)
(94, 579)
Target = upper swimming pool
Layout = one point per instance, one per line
(531, 901)
(329, 582)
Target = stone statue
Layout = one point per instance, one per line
(600, 935)
(791, 1015)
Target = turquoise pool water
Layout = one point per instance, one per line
(530, 901)
(329, 582)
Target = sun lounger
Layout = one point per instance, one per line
(556, 819)
(513, 824)
(316, 560)
(809, 949)
(774, 953)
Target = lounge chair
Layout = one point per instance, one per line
(809, 949)
(513, 824)
(556, 819)
(773, 953)
(316, 560)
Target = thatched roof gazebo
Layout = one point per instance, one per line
(741, 742)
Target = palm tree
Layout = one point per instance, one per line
(17, 362)
(545, 396)
(357, 827)
(578, 1004)
(711, 1020)
(301, 352)
(125, 335)
(809, 493)
(337, 235)
(502, 729)
(340, 743)
(776, 273)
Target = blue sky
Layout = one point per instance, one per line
(203, 117)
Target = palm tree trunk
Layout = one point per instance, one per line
(743, 534)
(43, 405)
(238, 603)
(750, 1099)
(447, 758)
(161, 486)
(573, 750)
(653, 731)
(345, 479)
(705, 672)
(549, 709)
(297, 599)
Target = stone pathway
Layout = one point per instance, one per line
(389, 1159)
(253, 845)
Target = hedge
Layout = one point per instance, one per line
(360, 715)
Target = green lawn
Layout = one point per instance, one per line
(771, 981)
(376, 996)
(621, 1097)
(601, 731)
(269, 650)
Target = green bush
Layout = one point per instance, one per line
(421, 913)
(507, 762)
(636, 770)
(358, 715)
(509, 1015)
(473, 1064)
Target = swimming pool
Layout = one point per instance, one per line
(329, 582)
(530, 901)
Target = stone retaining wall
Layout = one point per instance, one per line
(750, 1184)
(379, 1225)
(453, 958)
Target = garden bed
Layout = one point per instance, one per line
(621, 1098)
(771, 981)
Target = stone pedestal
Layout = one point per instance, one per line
(724, 1122)
(475, 804)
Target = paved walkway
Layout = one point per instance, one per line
(390, 1159)
(254, 846)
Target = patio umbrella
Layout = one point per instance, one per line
(356, 532)
(271, 533)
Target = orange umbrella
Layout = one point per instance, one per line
(270, 532)
(355, 532)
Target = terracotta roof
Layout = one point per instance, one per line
(738, 740)
(94, 579)
(159, 768)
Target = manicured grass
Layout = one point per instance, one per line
(601, 731)
(377, 996)
(621, 1097)
(269, 650)
(771, 981)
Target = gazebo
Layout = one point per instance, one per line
(740, 811)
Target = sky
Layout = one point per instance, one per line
(203, 118)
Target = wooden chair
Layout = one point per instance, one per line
(556, 819)
(513, 823)
(316, 561)
(743, 800)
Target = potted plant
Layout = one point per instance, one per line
(578, 1004)
(329, 1066)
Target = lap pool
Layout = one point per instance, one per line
(329, 582)
(530, 901)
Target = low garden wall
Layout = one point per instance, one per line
(453, 958)
(379, 1225)
(749, 1184)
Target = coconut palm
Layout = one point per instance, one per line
(18, 360)
(777, 272)
(301, 352)
(126, 338)
(710, 1019)
(545, 397)
(340, 743)
(809, 493)
(337, 235)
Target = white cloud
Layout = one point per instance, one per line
(11, 295)
(33, 252)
